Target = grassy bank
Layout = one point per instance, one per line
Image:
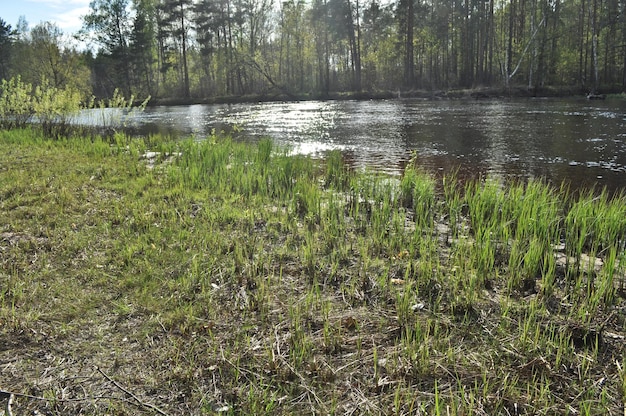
(218, 277)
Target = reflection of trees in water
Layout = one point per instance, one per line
(575, 177)
(441, 165)
(375, 161)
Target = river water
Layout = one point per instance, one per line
(574, 140)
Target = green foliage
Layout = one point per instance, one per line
(48, 106)
(6, 46)
(52, 108)
(326, 48)
(16, 107)
(115, 109)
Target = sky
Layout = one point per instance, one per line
(65, 13)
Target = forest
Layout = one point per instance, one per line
(197, 49)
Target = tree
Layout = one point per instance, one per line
(291, 48)
(235, 47)
(6, 43)
(406, 15)
(109, 23)
(610, 38)
(143, 48)
(344, 27)
(623, 29)
(175, 23)
(47, 59)
(46, 52)
(254, 34)
(207, 24)
(380, 55)
(319, 19)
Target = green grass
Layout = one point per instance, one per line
(223, 277)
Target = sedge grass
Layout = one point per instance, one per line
(233, 278)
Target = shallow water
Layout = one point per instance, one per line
(573, 140)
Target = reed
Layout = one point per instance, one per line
(336, 175)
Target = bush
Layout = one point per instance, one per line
(16, 108)
(49, 107)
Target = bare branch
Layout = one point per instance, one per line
(137, 399)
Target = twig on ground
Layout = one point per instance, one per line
(12, 395)
(303, 383)
(137, 399)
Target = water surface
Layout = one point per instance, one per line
(574, 140)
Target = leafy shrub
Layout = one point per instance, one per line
(51, 108)
(16, 108)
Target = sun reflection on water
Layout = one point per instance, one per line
(557, 139)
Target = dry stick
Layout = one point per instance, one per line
(6, 394)
(12, 395)
(142, 403)
(303, 383)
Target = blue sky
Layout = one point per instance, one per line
(65, 13)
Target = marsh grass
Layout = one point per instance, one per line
(233, 278)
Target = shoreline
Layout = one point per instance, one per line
(453, 94)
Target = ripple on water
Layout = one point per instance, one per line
(558, 138)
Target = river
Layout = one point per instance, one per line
(574, 140)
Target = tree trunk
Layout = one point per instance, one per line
(183, 29)
(594, 47)
(409, 57)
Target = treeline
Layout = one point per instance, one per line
(199, 48)
(42, 56)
